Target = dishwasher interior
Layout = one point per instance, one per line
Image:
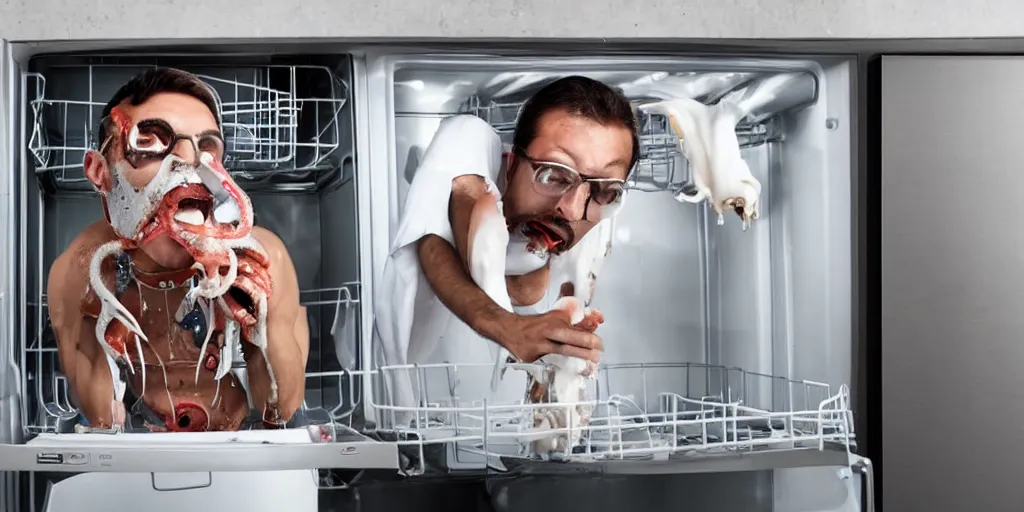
(716, 339)
(289, 139)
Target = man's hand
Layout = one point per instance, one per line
(529, 338)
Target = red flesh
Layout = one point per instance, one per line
(188, 417)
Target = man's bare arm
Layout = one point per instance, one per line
(287, 334)
(82, 359)
(451, 283)
(446, 267)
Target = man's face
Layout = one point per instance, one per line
(591, 149)
(184, 115)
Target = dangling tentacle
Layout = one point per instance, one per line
(231, 338)
(208, 312)
(119, 312)
(488, 247)
(260, 340)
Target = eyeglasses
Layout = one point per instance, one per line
(154, 139)
(553, 179)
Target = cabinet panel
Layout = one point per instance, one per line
(952, 283)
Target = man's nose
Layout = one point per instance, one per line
(573, 204)
(185, 150)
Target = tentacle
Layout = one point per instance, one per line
(231, 339)
(208, 311)
(260, 340)
(212, 284)
(488, 246)
(120, 312)
(572, 306)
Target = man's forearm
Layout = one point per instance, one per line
(443, 268)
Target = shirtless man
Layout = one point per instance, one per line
(159, 167)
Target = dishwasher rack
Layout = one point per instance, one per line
(51, 410)
(280, 122)
(699, 409)
(661, 167)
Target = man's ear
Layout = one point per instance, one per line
(96, 171)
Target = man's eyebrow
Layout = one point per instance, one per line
(563, 152)
(618, 162)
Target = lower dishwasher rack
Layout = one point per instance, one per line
(712, 426)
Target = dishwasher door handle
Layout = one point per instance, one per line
(169, 482)
(867, 481)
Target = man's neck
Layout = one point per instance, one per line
(143, 263)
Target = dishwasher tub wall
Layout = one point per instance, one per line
(709, 310)
(289, 137)
(759, 318)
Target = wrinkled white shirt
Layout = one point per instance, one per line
(411, 324)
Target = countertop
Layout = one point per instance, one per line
(39, 20)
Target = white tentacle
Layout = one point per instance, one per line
(231, 339)
(106, 297)
(212, 287)
(207, 306)
(260, 340)
(111, 309)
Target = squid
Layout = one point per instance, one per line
(562, 383)
(557, 379)
(707, 138)
(487, 249)
(202, 209)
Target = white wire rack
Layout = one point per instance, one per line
(271, 123)
(656, 411)
(662, 166)
(47, 404)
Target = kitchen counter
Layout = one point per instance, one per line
(38, 20)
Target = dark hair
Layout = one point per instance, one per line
(583, 97)
(154, 81)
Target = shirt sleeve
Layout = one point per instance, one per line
(463, 145)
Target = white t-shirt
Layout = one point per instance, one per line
(410, 321)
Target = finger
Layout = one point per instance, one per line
(590, 323)
(577, 337)
(574, 351)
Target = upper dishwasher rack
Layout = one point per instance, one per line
(762, 96)
(283, 124)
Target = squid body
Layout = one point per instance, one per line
(707, 138)
(558, 379)
(226, 255)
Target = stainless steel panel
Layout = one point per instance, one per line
(952, 286)
(9, 402)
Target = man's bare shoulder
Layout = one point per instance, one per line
(272, 244)
(69, 269)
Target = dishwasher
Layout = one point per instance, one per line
(728, 351)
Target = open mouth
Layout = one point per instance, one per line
(551, 236)
(193, 211)
(244, 300)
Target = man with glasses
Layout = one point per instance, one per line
(148, 303)
(574, 145)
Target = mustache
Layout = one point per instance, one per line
(556, 224)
